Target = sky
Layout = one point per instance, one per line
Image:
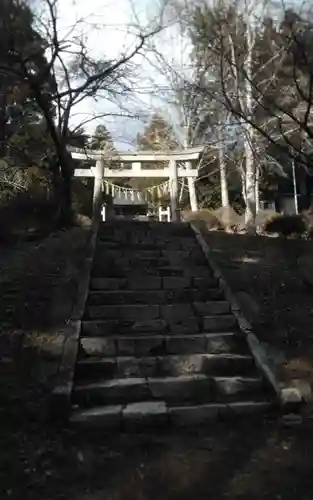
(106, 30)
(105, 27)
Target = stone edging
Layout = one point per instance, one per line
(60, 401)
(289, 398)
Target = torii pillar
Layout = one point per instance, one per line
(192, 191)
(174, 190)
(97, 188)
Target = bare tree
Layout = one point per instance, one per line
(279, 94)
(239, 28)
(189, 113)
(229, 32)
(77, 75)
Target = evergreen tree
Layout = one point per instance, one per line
(158, 135)
(19, 41)
(23, 134)
(102, 138)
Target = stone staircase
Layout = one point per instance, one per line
(159, 343)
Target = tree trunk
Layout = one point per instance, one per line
(250, 189)
(243, 186)
(64, 166)
(257, 190)
(66, 209)
(223, 176)
(249, 131)
(62, 185)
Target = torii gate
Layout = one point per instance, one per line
(131, 166)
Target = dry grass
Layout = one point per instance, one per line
(203, 219)
(264, 216)
(229, 218)
(268, 277)
(234, 461)
(37, 286)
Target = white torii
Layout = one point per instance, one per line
(131, 166)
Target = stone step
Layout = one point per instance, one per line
(219, 323)
(211, 307)
(128, 242)
(133, 232)
(164, 366)
(103, 262)
(178, 312)
(140, 228)
(169, 312)
(158, 342)
(194, 256)
(152, 323)
(125, 312)
(158, 345)
(134, 271)
(110, 254)
(182, 296)
(185, 388)
(94, 328)
(156, 227)
(146, 282)
(155, 413)
(184, 255)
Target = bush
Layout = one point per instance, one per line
(29, 204)
(263, 217)
(82, 221)
(286, 225)
(82, 191)
(6, 233)
(308, 217)
(24, 214)
(203, 219)
(229, 218)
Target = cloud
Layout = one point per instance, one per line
(102, 23)
(105, 26)
(105, 29)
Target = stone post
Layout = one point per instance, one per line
(166, 212)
